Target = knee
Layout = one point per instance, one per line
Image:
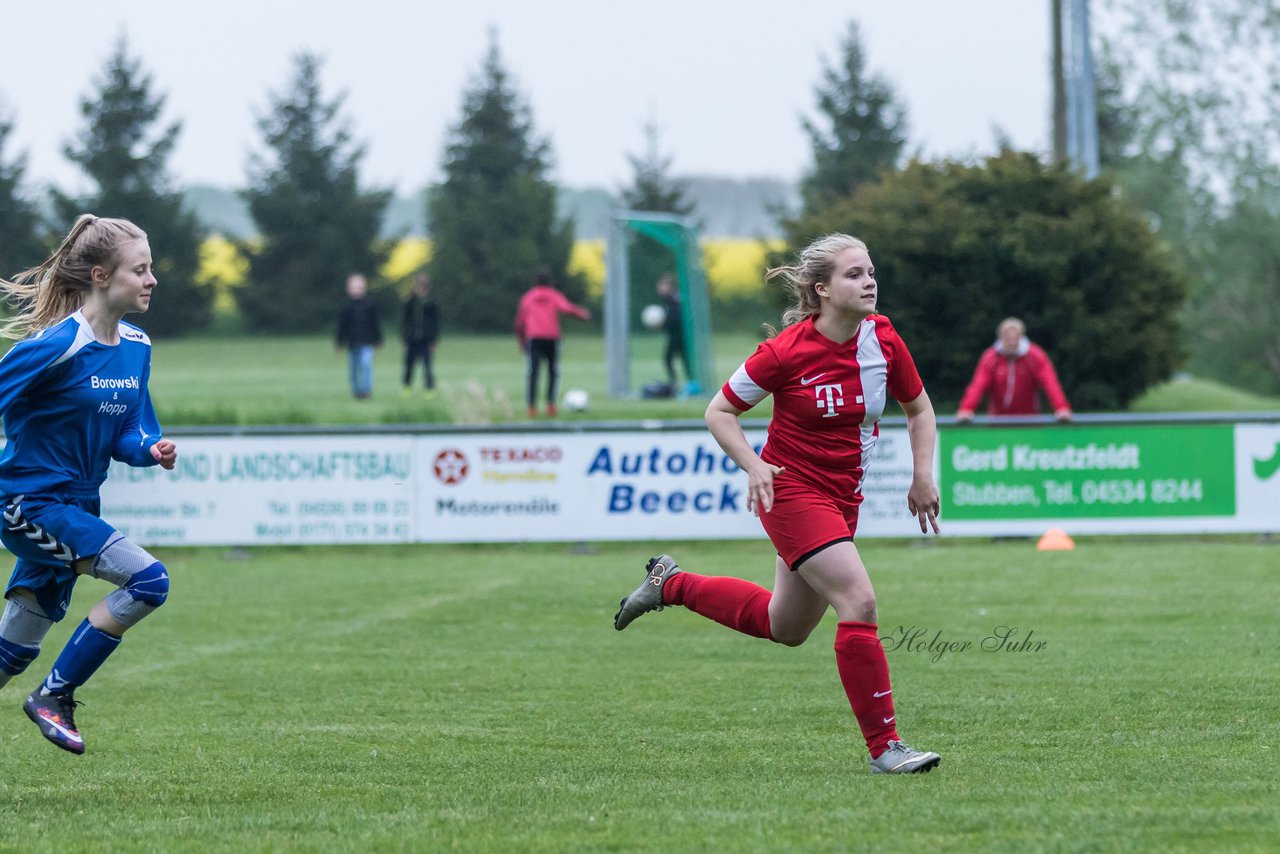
(790, 637)
(866, 605)
(790, 630)
(150, 586)
(146, 590)
(859, 606)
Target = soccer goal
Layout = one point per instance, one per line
(625, 298)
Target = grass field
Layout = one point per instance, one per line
(302, 380)
(478, 699)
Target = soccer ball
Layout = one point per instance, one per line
(653, 316)
(576, 400)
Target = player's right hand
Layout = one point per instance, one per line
(760, 487)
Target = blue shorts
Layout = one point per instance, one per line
(48, 535)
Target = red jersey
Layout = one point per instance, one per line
(1010, 382)
(827, 398)
(538, 315)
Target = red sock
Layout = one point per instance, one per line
(864, 671)
(731, 602)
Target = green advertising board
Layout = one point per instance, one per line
(1088, 472)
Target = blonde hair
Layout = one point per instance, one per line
(58, 287)
(1011, 323)
(815, 263)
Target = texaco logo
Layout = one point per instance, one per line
(450, 466)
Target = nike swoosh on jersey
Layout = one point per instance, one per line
(813, 379)
(882, 693)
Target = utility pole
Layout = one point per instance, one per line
(1081, 106)
(1059, 85)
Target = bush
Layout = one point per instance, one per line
(957, 248)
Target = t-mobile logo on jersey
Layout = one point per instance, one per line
(829, 397)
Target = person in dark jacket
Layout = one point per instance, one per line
(360, 332)
(420, 330)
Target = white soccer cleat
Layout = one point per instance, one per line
(900, 759)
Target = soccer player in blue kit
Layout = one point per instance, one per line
(73, 395)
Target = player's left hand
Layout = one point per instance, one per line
(165, 453)
(924, 503)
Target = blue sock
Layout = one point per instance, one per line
(84, 653)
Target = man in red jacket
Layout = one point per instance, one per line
(1009, 374)
(538, 331)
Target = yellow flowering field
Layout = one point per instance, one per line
(409, 256)
(735, 266)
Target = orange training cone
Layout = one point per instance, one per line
(1055, 540)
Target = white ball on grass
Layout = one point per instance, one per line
(576, 400)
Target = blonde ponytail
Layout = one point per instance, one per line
(55, 289)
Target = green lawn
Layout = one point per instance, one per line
(302, 380)
(477, 698)
(1196, 395)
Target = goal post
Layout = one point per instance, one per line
(680, 236)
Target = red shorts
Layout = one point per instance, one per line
(805, 520)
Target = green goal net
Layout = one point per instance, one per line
(629, 289)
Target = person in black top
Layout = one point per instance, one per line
(673, 326)
(420, 329)
(360, 332)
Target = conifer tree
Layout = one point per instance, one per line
(20, 244)
(862, 130)
(315, 225)
(652, 189)
(652, 186)
(125, 155)
(493, 220)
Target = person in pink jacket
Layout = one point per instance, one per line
(538, 331)
(1009, 374)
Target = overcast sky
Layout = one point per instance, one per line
(726, 82)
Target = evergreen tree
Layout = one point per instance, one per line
(125, 156)
(957, 248)
(863, 128)
(20, 244)
(652, 186)
(493, 219)
(315, 225)
(652, 189)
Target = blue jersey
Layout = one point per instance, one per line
(70, 405)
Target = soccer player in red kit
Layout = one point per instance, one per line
(830, 370)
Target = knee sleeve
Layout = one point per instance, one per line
(143, 580)
(150, 586)
(22, 628)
